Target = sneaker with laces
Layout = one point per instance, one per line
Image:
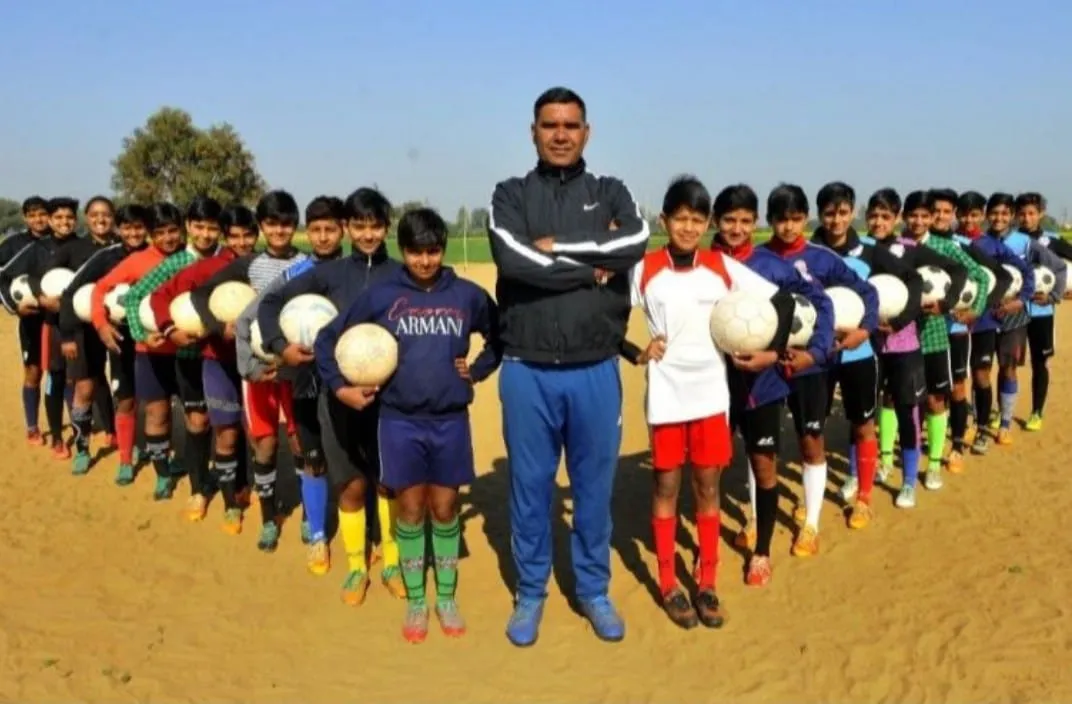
(677, 607)
(450, 618)
(318, 558)
(355, 587)
(849, 488)
(932, 479)
(606, 622)
(709, 609)
(81, 463)
(955, 462)
(415, 625)
(60, 451)
(861, 515)
(883, 472)
(759, 571)
(981, 444)
(906, 498)
(164, 489)
(995, 420)
(523, 628)
(807, 542)
(1034, 423)
(34, 438)
(232, 521)
(269, 538)
(196, 507)
(1004, 436)
(124, 476)
(391, 578)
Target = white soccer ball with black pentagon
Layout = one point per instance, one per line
(936, 284)
(991, 280)
(1045, 280)
(804, 316)
(21, 291)
(966, 297)
(849, 308)
(1017, 282)
(743, 323)
(892, 295)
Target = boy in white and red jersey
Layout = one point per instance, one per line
(688, 398)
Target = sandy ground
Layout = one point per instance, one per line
(108, 596)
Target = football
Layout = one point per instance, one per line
(1017, 282)
(936, 284)
(1045, 280)
(967, 296)
(742, 323)
(804, 315)
(892, 295)
(848, 308)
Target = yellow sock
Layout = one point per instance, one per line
(352, 528)
(387, 510)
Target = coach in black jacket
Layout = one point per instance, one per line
(563, 241)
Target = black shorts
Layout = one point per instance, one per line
(761, 427)
(92, 356)
(960, 356)
(938, 373)
(30, 339)
(859, 389)
(904, 381)
(56, 362)
(1040, 339)
(189, 377)
(1012, 347)
(307, 421)
(349, 440)
(121, 369)
(162, 376)
(984, 345)
(807, 402)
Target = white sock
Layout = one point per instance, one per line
(752, 488)
(814, 488)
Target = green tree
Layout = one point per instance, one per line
(10, 215)
(172, 159)
(478, 219)
(461, 221)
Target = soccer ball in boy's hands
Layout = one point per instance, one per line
(936, 284)
(968, 294)
(892, 296)
(743, 323)
(1017, 282)
(804, 316)
(849, 308)
(1044, 280)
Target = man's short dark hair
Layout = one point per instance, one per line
(559, 95)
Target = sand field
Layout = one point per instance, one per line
(106, 595)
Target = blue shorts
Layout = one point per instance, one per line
(425, 451)
(158, 377)
(223, 392)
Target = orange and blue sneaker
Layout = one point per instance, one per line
(415, 625)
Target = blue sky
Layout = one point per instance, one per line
(432, 100)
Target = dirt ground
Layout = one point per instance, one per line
(108, 596)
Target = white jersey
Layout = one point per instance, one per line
(689, 383)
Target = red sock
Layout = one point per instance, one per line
(125, 427)
(665, 531)
(707, 527)
(866, 464)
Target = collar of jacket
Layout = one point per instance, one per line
(851, 241)
(560, 173)
(377, 257)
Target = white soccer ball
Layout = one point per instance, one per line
(1045, 280)
(145, 315)
(82, 302)
(113, 303)
(936, 284)
(1017, 282)
(367, 355)
(304, 316)
(229, 299)
(803, 326)
(56, 281)
(21, 291)
(991, 280)
(892, 295)
(743, 323)
(968, 295)
(256, 344)
(849, 308)
(185, 316)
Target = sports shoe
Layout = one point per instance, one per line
(1034, 423)
(391, 577)
(759, 571)
(861, 515)
(906, 498)
(196, 506)
(415, 625)
(450, 618)
(523, 628)
(61, 451)
(969, 433)
(807, 542)
(164, 489)
(746, 537)
(35, 438)
(849, 488)
(800, 514)
(1004, 436)
(232, 521)
(932, 479)
(606, 622)
(709, 610)
(677, 607)
(883, 472)
(995, 420)
(269, 538)
(355, 587)
(124, 476)
(81, 463)
(317, 558)
(981, 444)
(955, 462)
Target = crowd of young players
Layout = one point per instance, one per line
(391, 469)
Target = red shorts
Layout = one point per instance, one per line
(265, 401)
(705, 442)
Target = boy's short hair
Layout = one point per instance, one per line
(163, 214)
(971, 200)
(1030, 198)
(943, 195)
(131, 214)
(203, 208)
(687, 192)
(55, 205)
(325, 208)
(737, 197)
(559, 95)
(422, 229)
(99, 199)
(885, 199)
(917, 200)
(34, 203)
(368, 204)
(786, 199)
(834, 194)
(238, 216)
(278, 205)
(999, 199)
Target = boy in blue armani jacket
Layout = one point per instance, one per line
(425, 446)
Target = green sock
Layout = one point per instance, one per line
(937, 423)
(887, 433)
(446, 543)
(411, 560)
